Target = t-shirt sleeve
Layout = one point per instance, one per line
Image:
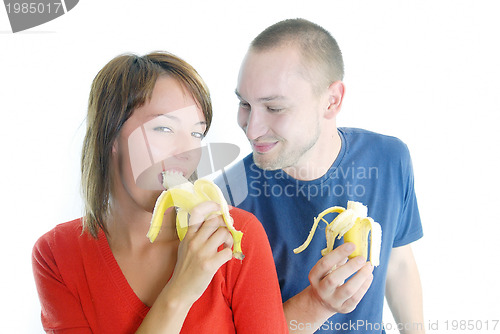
(256, 298)
(409, 227)
(61, 309)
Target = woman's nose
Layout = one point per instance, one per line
(186, 146)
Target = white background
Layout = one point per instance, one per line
(425, 71)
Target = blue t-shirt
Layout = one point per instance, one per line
(373, 169)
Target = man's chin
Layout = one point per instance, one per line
(266, 164)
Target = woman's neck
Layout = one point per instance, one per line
(128, 225)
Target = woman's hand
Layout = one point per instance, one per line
(198, 258)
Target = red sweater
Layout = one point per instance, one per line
(82, 289)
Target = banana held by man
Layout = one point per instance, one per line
(355, 226)
(185, 196)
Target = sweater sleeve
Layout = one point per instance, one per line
(256, 298)
(61, 309)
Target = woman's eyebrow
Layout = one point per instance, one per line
(175, 118)
(159, 115)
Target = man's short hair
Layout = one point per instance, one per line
(320, 52)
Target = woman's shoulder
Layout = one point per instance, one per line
(254, 240)
(65, 238)
(62, 250)
(244, 220)
(65, 232)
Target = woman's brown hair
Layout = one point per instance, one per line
(121, 86)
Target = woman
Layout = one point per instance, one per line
(100, 273)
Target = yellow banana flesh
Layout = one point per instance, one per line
(355, 226)
(184, 195)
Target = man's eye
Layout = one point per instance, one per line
(244, 105)
(162, 129)
(198, 135)
(274, 109)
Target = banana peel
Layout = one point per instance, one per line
(355, 226)
(185, 195)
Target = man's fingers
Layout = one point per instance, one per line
(338, 276)
(355, 288)
(343, 287)
(334, 259)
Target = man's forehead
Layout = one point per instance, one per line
(265, 75)
(285, 52)
(268, 98)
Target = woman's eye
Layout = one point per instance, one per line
(162, 129)
(197, 135)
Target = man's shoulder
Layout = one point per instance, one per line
(374, 141)
(363, 134)
(233, 181)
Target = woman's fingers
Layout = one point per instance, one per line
(199, 257)
(200, 213)
(207, 228)
(219, 237)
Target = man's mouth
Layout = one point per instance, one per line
(263, 147)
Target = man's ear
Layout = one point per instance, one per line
(335, 98)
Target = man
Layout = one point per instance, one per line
(290, 90)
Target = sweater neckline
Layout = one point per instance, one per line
(122, 286)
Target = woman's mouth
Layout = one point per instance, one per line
(172, 170)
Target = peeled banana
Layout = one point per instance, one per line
(185, 195)
(355, 226)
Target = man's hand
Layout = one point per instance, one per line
(328, 277)
(329, 293)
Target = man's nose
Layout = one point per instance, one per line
(256, 125)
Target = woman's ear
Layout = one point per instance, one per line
(114, 148)
(335, 98)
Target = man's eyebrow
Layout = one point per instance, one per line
(263, 99)
(238, 94)
(272, 98)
